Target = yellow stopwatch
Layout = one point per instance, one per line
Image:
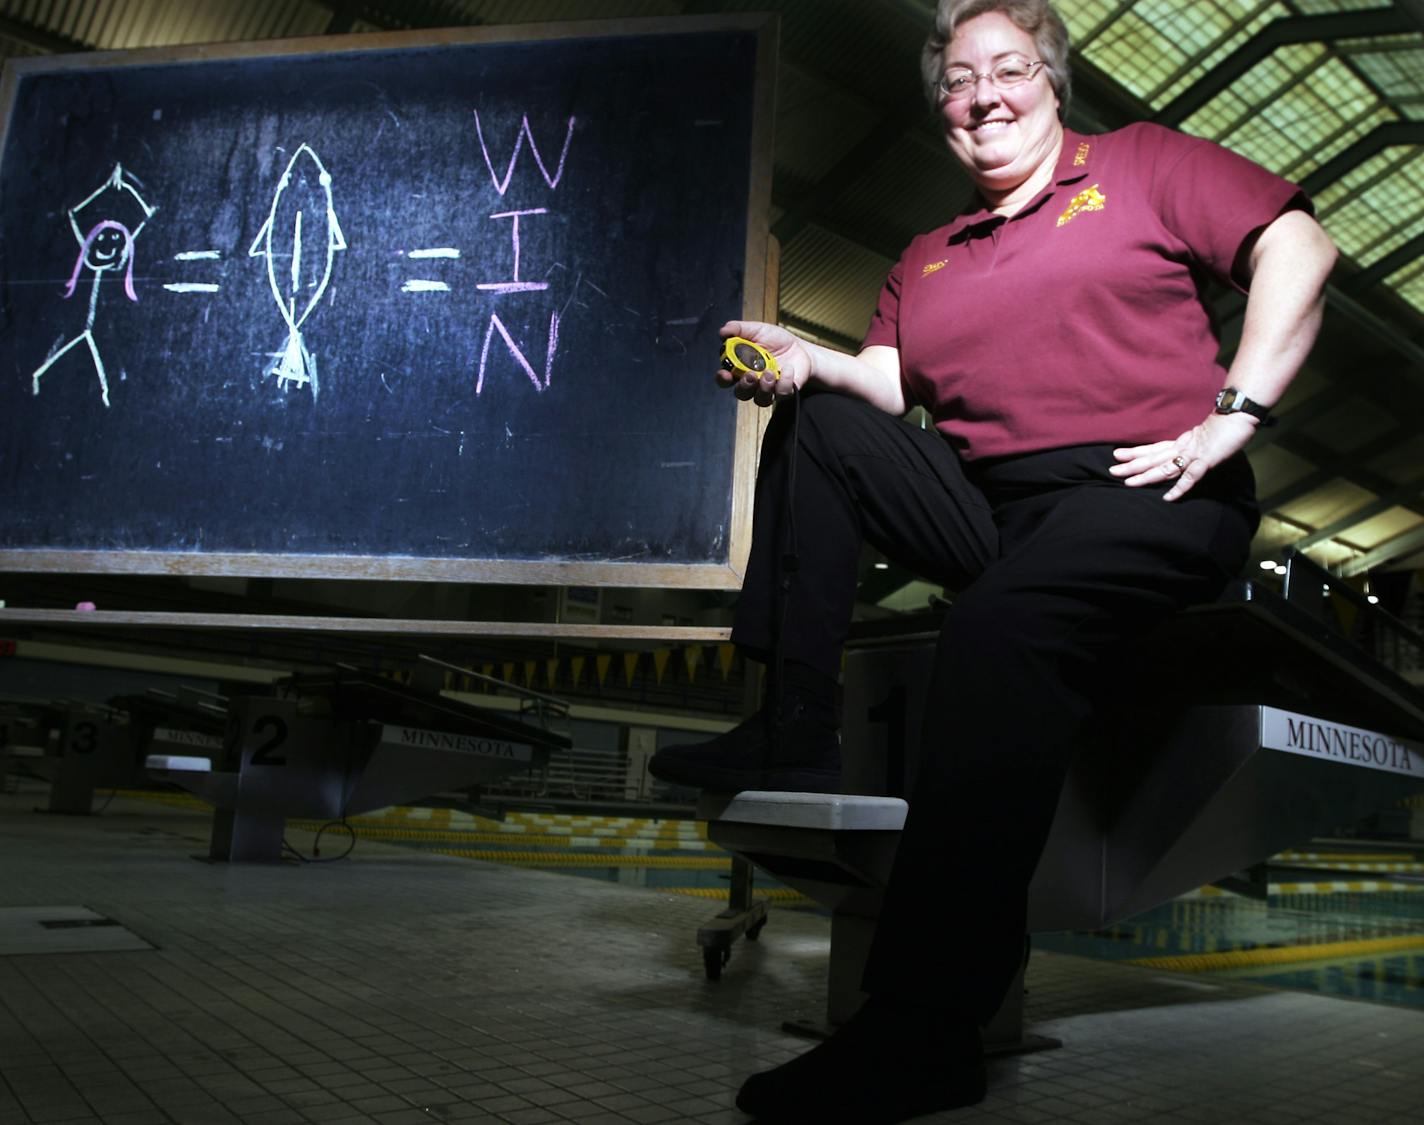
(744, 356)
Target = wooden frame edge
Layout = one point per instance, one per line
(370, 626)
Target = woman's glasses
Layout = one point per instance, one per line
(959, 82)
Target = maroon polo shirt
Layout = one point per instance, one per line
(1080, 319)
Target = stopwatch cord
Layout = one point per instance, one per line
(790, 562)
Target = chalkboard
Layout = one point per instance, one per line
(438, 305)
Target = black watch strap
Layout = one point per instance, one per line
(1231, 401)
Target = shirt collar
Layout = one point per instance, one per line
(1073, 165)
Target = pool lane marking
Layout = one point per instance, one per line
(564, 859)
(1280, 955)
(777, 895)
(1346, 857)
(522, 840)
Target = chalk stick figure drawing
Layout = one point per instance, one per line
(105, 225)
(299, 240)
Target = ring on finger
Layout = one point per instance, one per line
(1180, 462)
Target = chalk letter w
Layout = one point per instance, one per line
(502, 186)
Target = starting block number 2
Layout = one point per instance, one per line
(269, 732)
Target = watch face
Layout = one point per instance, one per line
(1226, 400)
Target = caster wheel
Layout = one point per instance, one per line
(713, 960)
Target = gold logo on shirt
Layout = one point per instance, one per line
(1089, 199)
(933, 266)
(1081, 156)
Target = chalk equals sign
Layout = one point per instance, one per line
(194, 286)
(425, 285)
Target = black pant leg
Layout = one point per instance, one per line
(860, 475)
(1026, 654)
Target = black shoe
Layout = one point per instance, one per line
(890, 1063)
(793, 744)
(800, 754)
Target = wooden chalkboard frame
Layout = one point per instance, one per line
(759, 302)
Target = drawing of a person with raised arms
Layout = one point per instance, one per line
(107, 244)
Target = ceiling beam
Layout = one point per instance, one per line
(1381, 137)
(1401, 546)
(1348, 470)
(1280, 33)
(863, 155)
(1414, 9)
(1332, 466)
(1384, 267)
(1400, 495)
(1099, 102)
(343, 17)
(395, 15)
(1298, 417)
(1375, 327)
(1341, 298)
(875, 243)
(820, 331)
(38, 38)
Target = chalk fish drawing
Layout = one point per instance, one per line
(299, 240)
(105, 225)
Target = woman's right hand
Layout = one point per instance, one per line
(791, 354)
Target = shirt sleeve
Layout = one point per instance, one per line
(884, 327)
(884, 330)
(1214, 200)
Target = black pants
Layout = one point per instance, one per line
(1060, 570)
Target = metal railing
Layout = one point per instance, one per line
(577, 774)
(1331, 600)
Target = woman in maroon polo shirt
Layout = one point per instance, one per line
(1084, 479)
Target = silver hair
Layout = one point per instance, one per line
(1037, 17)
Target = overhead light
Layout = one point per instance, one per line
(1280, 568)
(1372, 599)
(1268, 564)
(882, 566)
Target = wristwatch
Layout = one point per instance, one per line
(1231, 401)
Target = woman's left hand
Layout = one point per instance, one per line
(1187, 459)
